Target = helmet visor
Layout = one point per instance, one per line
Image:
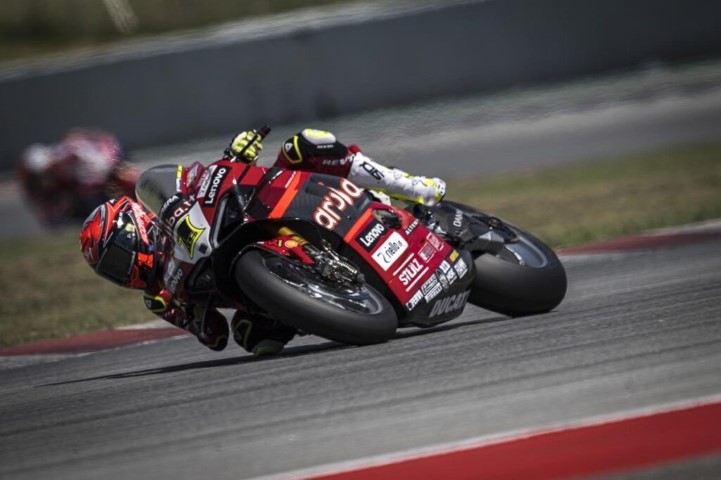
(116, 263)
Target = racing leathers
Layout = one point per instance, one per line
(165, 295)
(167, 298)
(320, 151)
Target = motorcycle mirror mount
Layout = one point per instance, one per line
(388, 218)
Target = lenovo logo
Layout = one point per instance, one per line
(215, 184)
(369, 237)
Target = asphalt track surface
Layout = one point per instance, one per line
(637, 334)
(638, 331)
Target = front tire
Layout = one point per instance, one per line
(296, 296)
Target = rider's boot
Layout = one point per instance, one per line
(214, 332)
(367, 173)
(260, 336)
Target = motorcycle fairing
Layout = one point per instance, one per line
(419, 268)
(424, 273)
(333, 203)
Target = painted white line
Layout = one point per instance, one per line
(146, 325)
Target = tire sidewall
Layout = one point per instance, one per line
(308, 314)
(517, 290)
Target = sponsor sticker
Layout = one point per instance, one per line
(444, 282)
(431, 288)
(451, 275)
(412, 272)
(412, 226)
(175, 280)
(461, 267)
(205, 181)
(335, 162)
(187, 235)
(429, 284)
(435, 241)
(328, 213)
(214, 187)
(445, 266)
(449, 304)
(426, 252)
(434, 292)
(167, 204)
(417, 297)
(371, 170)
(458, 219)
(390, 251)
(368, 238)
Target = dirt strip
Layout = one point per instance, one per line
(93, 342)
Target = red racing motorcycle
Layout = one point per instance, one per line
(321, 254)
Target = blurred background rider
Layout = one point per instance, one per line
(65, 181)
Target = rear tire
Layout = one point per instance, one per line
(524, 279)
(283, 288)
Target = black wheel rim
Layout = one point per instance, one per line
(356, 298)
(525, 253)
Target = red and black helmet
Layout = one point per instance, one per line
(117, 241)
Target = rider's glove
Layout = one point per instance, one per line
(245, 147)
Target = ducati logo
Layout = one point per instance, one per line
(450, 304)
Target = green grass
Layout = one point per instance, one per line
(49, 292)
(605, 199)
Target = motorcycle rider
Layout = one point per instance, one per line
(64, 181)
(128, 246)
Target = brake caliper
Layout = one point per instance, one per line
(332, 267)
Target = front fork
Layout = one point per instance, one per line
(327, 263)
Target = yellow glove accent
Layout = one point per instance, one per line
(245, 147)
